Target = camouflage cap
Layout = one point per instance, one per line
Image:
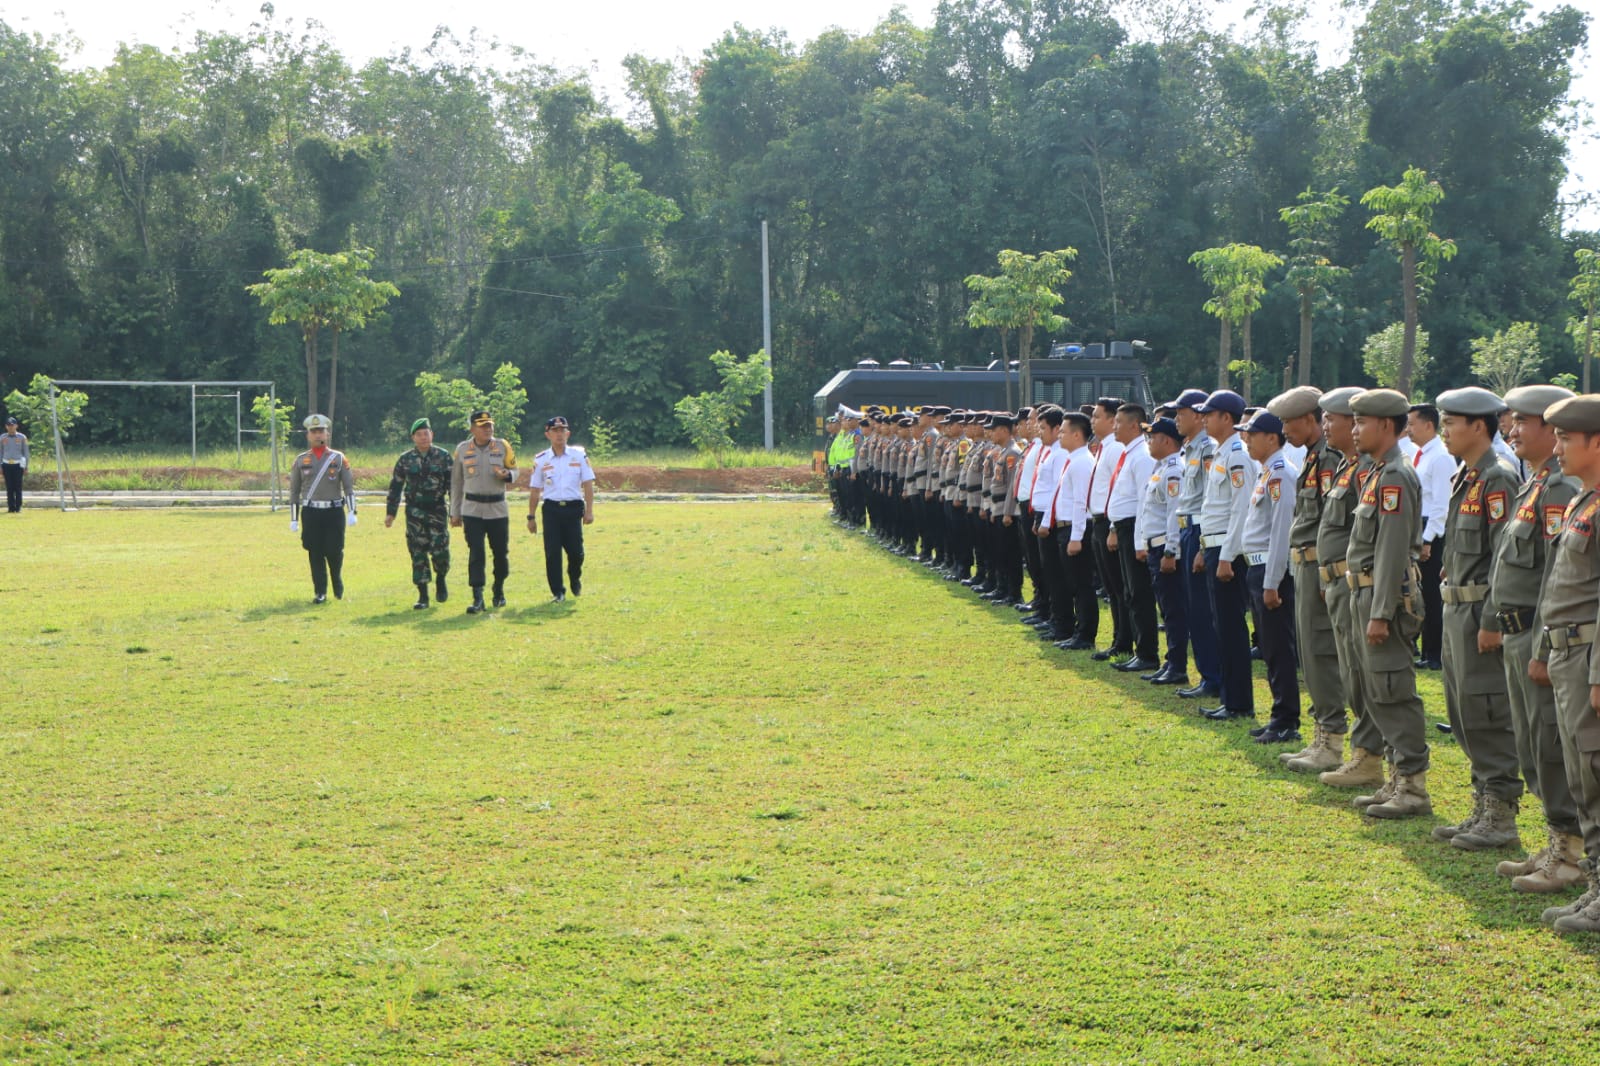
(1295, 403)
(1384, 403)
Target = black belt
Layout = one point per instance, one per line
(479, 497)
(563, 503)
(1516, 620)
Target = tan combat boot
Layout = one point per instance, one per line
(1384, 793)
(1592, 876)
(1410, 798)
(1325, 753)
(1582, 915)
(1363, 769)
(1559, 871)
(1316, 738)
(1448, 832)
(1524, 867)
(1496, 829)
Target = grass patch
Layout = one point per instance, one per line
(359, 833)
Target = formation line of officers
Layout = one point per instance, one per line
(464, 489)
(1313, 518)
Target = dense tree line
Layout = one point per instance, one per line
(607, 257)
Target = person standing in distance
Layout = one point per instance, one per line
(423, 474)
(14, 461)
(321, 491)
(484, 465)
(564, 482)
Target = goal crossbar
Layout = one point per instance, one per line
(62, 486)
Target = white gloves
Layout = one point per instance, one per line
(350, 520)
(294, 527)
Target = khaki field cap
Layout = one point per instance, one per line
(1576, 414)
(1384, 403)
(1296, 402)
(1337, 401)
(1471, 400)
(318, 422)
(1536, 399)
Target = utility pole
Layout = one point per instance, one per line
(766, 333)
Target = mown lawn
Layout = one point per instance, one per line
(763, 795)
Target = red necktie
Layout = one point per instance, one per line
(1042, 457)
(1416, 460)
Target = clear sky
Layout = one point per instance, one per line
(597, 36)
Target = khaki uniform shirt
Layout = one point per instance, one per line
(1481, 500)
(1572, 591)
(1522, 558)
(1386, 533)
(485, 472)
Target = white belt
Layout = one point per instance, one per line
(1213, 541)
(323, 505)
(1156, 542)
(1257, 558)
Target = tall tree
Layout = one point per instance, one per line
(1585, 292)
(1237, 275)
(1402, 215)
(1311, 223)
(1024, 295)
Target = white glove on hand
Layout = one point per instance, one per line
(351, 519)
(294, 527)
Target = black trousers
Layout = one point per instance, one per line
(1230, 600)
(1431, 644)
(1079, 570)
(1138, 593)
(1109, 568)
(322, 536)
(1172, 591)
(1062, 617)
(13, 486)
(1032, 561)
(497, 531)
(563, 531)
(1276, 631)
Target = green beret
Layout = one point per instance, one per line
(1384, 403)
(1536, 399)
(1295, 403)
(1337, 401)
(1575, 414)
(1471, 400)
(421, 423)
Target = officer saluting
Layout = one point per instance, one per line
(484, 465)
(321, 488)
(563, 479)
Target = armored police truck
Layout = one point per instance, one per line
(1073, 375)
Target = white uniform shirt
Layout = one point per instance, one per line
(1158, 506)
(561, 477)
(1128, 483)
(1047, 481)
(1101, 471)
(1072, 502)
(1030, 467)
(1434, 467)
(1228, 484)
(1270, 513)
(1499, 444)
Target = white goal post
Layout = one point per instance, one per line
(62, 486)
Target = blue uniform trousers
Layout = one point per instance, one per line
(1202, 632)
(1230, 600)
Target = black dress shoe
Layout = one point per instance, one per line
(1102, 655)
(577, 587)
(338, 590)
(1431, 664)
(1276, 735)
(441, 591)
(1200, 691)
(1030, 619)
(1075, 644)
(1224, 714)
(1135, 664)
(1258, 730)
(1171, 679)
(1443, 727)
(321, 597)
(1166, 668)
(1025, 606)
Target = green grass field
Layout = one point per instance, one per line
(764, 795)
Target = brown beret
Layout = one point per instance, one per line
(1296, 402)
(1536, 399)
(1384, 403)
(1576, 414)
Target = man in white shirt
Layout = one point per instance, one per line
(1028, 436)
(1434, 468)
(1071, 529)
(1107, 464)
(564, 482)
(1056, 620)
(1122, 511)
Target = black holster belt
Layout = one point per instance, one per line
(484, 497)
(1516, 620)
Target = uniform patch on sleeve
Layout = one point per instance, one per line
(1238, 477)
(1275, 488)
(1390, 499)
(1174, 486)
(1497, 506)
(1553, 514)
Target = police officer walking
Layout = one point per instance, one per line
(422, 474)
(484, 466)
(14, 462)
(322, 501)
(564, 482)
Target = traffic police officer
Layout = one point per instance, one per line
(564, 481)
(1520, 562)
(1481, 497)
(322, 501)
(422, 474)
(1385, 536)
(483, 468)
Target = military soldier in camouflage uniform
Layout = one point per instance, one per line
(1481, 495)
(1386, 605)
(1521, 562)
(423, 475)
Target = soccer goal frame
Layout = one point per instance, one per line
(194, 387)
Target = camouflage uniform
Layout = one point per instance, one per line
(424, 477)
